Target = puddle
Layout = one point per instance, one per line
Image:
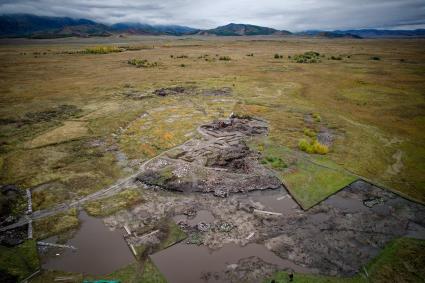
(201, 216)
(99, 250)
(183, 263)
(279, 201)
(350, 205)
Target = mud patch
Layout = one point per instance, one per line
(346, 229)
(220, 162)
(181, 90)
(203, 265)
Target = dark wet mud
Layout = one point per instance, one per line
(99, 250)
(184, 263)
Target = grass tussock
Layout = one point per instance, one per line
(317, 117)
(313, 146)
(136, 47)
(224, 58)
(102, 50)
(307, 57)
(142, 63)
(309, 133)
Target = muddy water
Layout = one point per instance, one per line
(184, 263)
(276, 201)
(99, 250)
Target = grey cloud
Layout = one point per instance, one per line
(280, 14)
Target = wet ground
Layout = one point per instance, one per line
(239, 233)
(99, 250)
(336, 237)
(183, 263)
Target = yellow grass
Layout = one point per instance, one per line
(71, 130)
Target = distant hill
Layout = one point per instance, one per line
(242, 29)
(143, 29)
(328, 34)
(374, 33)
(365, 33)
(32, 26)
(23, 25)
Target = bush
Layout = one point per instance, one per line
(317, 117)
(182, 56)
(224, 58)
(309, 133)
(250, 54)
(376, 58)
(277, 56)
(320, 148)
(313, 146)
(102, 50)
(307, 57)
(336, 58)
(142, 63)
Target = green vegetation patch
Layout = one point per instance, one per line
(142, 63)
(403, 260)
(274, 162)
(56, 224)
(112, 204)
(309, 179)
(307, 57)
(102, 50)
(20, 261)
(310, 183)
(312, 146)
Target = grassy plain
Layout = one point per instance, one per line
(73, 121)
(373, 108)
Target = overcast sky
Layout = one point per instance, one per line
(293, 15)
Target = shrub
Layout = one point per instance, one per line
(135, 47)
(250, 54)
(336, 58)
(182, 65)
(313, 146)
(102, 50)
(376, 58)
(304, 145)
(142, 63)
(317, 117)
(307, 57)
(182, 56)
(224, 58)
(277, 56)
(319, 148)
(309, 133)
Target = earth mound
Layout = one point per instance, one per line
(219, 162)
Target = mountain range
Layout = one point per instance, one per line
(32, 26)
